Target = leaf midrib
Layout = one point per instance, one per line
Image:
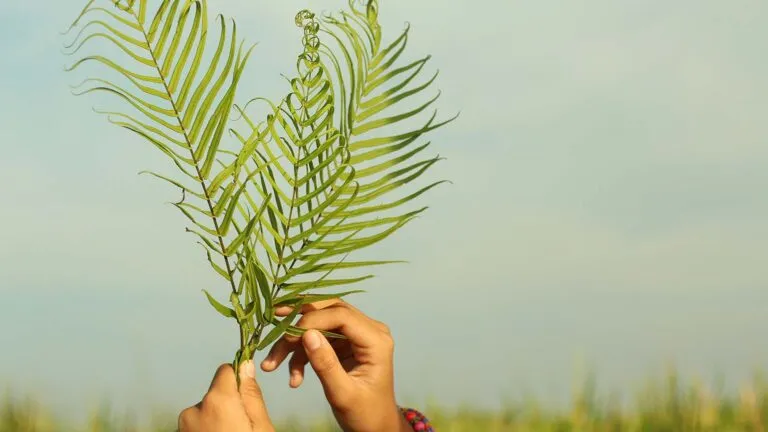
(178, 117)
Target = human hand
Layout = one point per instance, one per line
(356, 373)
(225, 408)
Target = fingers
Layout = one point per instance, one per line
(251, 394)
(224, 381)
(286, 310)
(222, 395)
(299, 360)
(339, 317)
(188, 419)
(279, 351)
(337, 385)
(287, 343)
(296, 367)
(342, 318)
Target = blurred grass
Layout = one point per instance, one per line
(663, 405)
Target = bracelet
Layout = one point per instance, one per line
(417, 420)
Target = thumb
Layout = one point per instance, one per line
(252, 397)
(336, 383)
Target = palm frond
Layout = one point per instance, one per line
(178, 77)
(307, 186)
(345, 155)
(385, 149)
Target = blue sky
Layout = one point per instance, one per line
(608, 208)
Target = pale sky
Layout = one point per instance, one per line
(609, 207)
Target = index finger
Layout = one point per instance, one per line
(338, 317)
(309, 307)
(343, 319)
(224, 381)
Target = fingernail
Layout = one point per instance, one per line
(248, 369)
(312, 340)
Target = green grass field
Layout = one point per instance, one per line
(664, 405)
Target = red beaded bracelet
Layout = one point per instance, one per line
(417, 420)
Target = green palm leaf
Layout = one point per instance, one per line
(385, 149)
(180, 104)
(345, 155)
(310, 185)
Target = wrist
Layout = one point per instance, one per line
(402, 423)
(397, 421)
